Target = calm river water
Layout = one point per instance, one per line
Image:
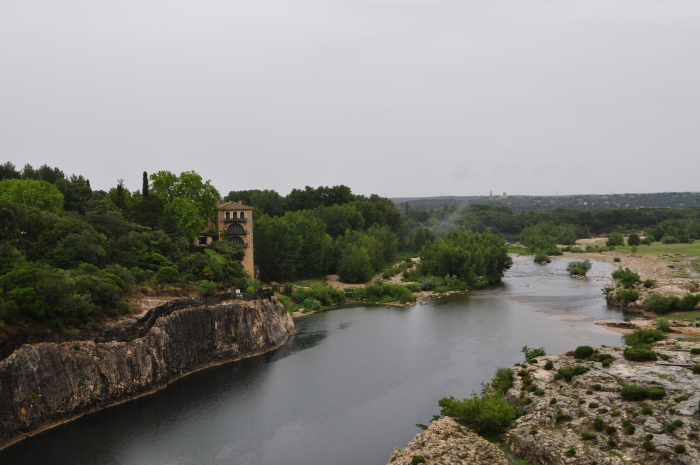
(347, 388)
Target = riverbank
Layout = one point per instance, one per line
(587, 420)
(47, 384)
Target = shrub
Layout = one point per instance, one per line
(502, 380)
(532, 353)
(627, 296)
(610, 430)
(327, 295)
(648, 446)
(312, 304)
(634, 239)
(549, 365)
(626, 277)
(688, 302)
(533, 432)
(579, 268)
(612, 443)
(679, 449)
(634, 393)
(658, 304)
(562, 417)
(587, 436)
(417, 459)
(288, 289)
(605, 357)
(376, 292)
(616, 259)
(615, 239)
(680, 399)
(629, 429)
(553, 400)
(569, 372)
(598, 424)
(648, 283)
(657, 393)
(643, 336)
(597, 387)
(583, 352)
(206, 288)
(571, 452)
(696, 369)
(167, 275)
(663, 325)
(647, 411)
(542, 257)
(490, 414)
(593, 405)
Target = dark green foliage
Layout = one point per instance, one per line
(561, 417)
(571, 452)
(660, 304)
(609, 430)
(657, 393)
(663, 325)
(477, 259)
(640, 353)
(167, 275)
(598, 424)
(593, 405)
(502, 380)
(583, 352)
(542, 257)
(569, 372)
(648, 283)
(633, 239)
(532, 353)
(586, 436)
(679, 449)
(546, 235)
(602, 358)
(647, 411)
(648, 446)
(695, 351)
(616, 259)
(643, 336)
(696, 369)
(629, 429)
(490, 414)
(553, 400)
(626, 277)
(612, 443)
(206, 288)
(311, 304)
(597, 387)
(627, 296)
(325, 294)
(549, 365)
(383, 293)
(579, 268)
(416, 459)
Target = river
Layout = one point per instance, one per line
(348, 387)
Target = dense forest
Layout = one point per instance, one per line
(69, 255)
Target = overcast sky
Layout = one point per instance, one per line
(395, 97)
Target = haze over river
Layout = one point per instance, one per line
(348, 387)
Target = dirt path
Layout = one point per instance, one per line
(689, 268)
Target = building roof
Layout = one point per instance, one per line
(232, 206)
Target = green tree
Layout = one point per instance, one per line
(37, 194)
(144, 187)
(186, 196)
(634, 239)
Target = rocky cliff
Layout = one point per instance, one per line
(45, 384)
(445, 442)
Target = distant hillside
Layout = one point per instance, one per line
(522, 203)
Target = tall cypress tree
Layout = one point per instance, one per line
(144, 189)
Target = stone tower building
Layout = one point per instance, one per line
(233, 223)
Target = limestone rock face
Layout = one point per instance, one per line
(446, 443)
(44, 384)
(538, 437)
